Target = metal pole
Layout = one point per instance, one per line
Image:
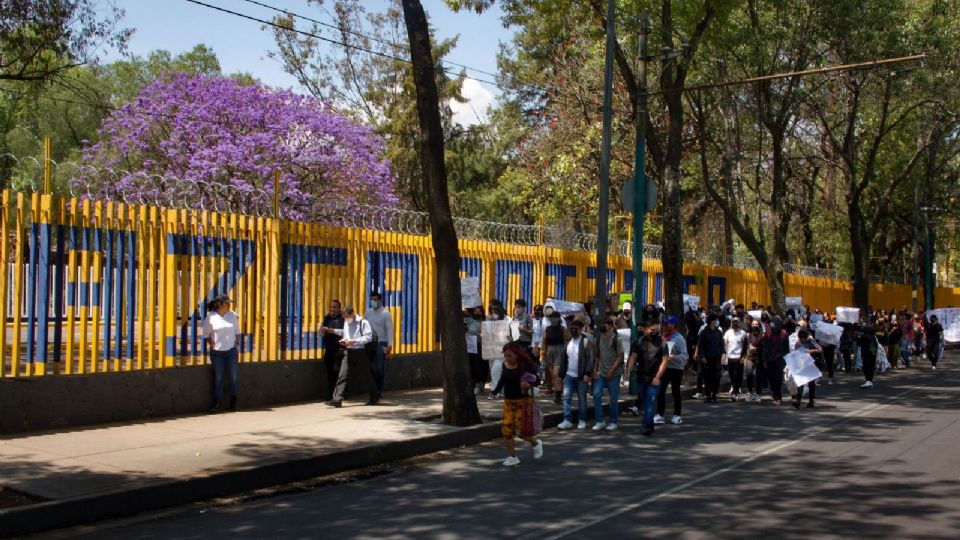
(47, 165)
(928, 281)
(916, 242)
(639, 174)
(603, 224)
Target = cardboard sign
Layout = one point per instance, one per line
(470, 292)
(493, 336)
(848, 314)
(566, 308)
(828, 334)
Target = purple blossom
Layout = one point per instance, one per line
(197, 139)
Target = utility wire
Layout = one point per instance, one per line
(336, 42)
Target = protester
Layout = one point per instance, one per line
(525, 326)
(220, 329)
(907, 337)
(677, 356)
(555, 338)
(332, 332)
(606, 374)
(867, 342)
(806, 342)
(775, 347)
(381, 324)
(710, 350)
(753, 366)
(539, 322)
(357, 334)
(516, 382)
(495, 365)
(625, 319)
(648, 356)
(733, 342)
(478, 366)
(934, 341)
(577, 368)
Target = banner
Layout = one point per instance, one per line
(470, 292)
(566, 308)
(692, 301)
(493, 336)
(950, 320)
(848, 314)
(802, 368)
(828, 334)
(755, 314)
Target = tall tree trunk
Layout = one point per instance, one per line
(459, 403)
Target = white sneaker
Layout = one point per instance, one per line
(582, 424)
(598, 426)
(830, 381)
(564, 425)
(867, 384)
(658, 420)
(611, 427)
(511, 461)
(634, 410)
(698, 395)
(538, 450)
(733, 395)
(676, 420)
(933, 368)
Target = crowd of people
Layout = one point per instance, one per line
(562, 355)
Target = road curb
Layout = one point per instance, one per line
(62, 513)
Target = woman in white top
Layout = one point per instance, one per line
(221, 329)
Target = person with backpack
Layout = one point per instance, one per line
(775, 347)
(518, 378)
(648, 356)
(676, 356)
(606, 374)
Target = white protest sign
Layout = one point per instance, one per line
(950, 320)
(566, 308)
(692, 301)
(514, 330)
(470, 292)
(848, 314)
(802, 367)
(794, 301)
(729, 303)
(828, 334)
(755, 314)
(472, 345)
(815, 319)
(493, 336)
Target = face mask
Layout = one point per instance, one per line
(518, 312)
(548, 311)
(374, 304)
(574, 332)
(348, 320)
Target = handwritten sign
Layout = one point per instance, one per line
(470, 292)
(950, 320)
(493, 336)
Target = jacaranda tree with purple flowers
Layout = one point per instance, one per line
(212, 142)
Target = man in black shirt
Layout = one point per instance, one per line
(647, 355)
(332, 332)
(934, 341)
(710, 351)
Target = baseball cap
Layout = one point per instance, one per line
(672, 320)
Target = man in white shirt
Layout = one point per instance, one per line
(356, 335)
(576, 367)
(381, 323)
(733, 344)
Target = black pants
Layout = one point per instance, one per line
(812, 385)
(701, 379)
(869, 364)
(775, 378)
(735, 370)
(847, 360)
(673, 377)
(332, 358)
(712, 373)
(479, 368)
(829, 356)
(754, 374)
(355, 359)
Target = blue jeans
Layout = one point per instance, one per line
(647, 394)
(378, 365)
(613, 388)
(905, 353)
(568, 385)
(224, 362)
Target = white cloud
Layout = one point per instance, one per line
(474, 111)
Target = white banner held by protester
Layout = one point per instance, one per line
(794, 301)
(950, 320)
(802, 367)
(755, 314)
(493, 336)
(828, 334)
(692, 301)
(566, 308)
(470, 292)
(848, 314)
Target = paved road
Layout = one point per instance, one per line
(864, 463)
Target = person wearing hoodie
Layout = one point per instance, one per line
(677, 356)
(776, 345)
(710, 350)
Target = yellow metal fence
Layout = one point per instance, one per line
(94, 287)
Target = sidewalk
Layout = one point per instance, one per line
(105, 471)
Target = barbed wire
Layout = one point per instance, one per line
(103, 183)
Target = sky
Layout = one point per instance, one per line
(241, 45)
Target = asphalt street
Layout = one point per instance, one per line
(878, 463)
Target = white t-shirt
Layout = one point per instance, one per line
(223, 329)
(733, 342)
(573, 356)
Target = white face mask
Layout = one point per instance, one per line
(349, 320)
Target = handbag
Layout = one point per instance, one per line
(532, 423)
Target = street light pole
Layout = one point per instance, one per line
(639, 174)
(603, 224)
